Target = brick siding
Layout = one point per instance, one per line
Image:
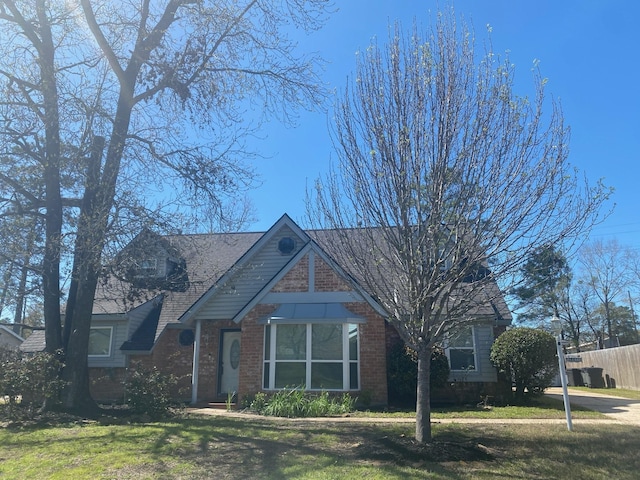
(171, 357)
(373, 361)
(296, 279)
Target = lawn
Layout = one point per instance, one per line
(199, 447)
(537, 407)
(617, 392)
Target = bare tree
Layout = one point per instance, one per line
(574, 311)
(446, 182)
(109, 108)
(607, 272)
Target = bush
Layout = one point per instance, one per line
(27, 380)
(402, 373)
(295, 402)
(528, 357)
(148, 392)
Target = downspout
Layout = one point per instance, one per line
(196, 363)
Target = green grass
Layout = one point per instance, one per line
(539, 407)
(255, 447)
(617, 392)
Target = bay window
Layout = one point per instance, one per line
(315, 356)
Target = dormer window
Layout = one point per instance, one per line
(147, 268)
(152, 262)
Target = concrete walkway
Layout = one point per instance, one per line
(617, 409)
(622, 410)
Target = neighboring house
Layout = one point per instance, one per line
(236, 314)
(9, 339)
(34, 342)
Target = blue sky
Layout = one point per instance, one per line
(588, 49)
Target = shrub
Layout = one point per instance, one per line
(148, 391)
(11, 375)
(27, 380)
(528, 357)
(402, 373)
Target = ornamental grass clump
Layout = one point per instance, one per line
(295, 402)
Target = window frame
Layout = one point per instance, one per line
(147, 267)
(350, 366)
(102, 327)
(473, 348)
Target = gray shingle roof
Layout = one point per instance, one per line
(207, 258)
(34, 342)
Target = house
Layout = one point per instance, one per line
(236, 314)
(9, 339)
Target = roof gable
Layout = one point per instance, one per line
(250, 273)
(356, 293)
(15, 338)
(34, 342)
(143, 337)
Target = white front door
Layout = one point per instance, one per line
(230, 363)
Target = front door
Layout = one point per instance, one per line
(230, 362)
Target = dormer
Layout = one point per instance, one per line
(151, 262)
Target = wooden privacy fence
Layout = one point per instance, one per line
(621, 365)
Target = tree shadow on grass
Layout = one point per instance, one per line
(272, 448)
(405, 449)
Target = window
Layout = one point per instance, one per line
(100, 341)
(461, 350)
(146, 268)
(286, 245)
(317, 356)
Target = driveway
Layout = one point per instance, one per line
(623, 410)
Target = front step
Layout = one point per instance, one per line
(221, 405)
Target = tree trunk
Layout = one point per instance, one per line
(53, 197)
(76, 394)
(21, 293)
(519, 392)
(423, 402)
(92, 225)
(5, 288)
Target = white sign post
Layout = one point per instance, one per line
(563, 380)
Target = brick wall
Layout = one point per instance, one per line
(327, 280)
(373, 355)
(296, 279)
(252, 351)
(373, 366)
(107, 384)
